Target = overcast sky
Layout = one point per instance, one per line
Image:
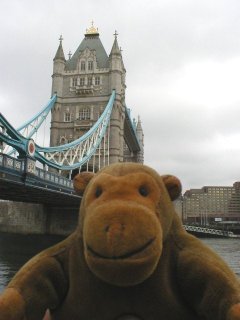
(183, 73)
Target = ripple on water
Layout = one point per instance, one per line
(228, 249)
(15, 250)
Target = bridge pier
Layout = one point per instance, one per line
(60, 220)
(31, 218)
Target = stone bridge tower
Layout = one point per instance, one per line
(83, 84)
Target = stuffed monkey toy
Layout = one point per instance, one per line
(129, 258)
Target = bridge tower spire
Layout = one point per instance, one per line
(140, 136)
(58, 68)
(117, 75)
(59, 63)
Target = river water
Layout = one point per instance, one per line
(15, 250)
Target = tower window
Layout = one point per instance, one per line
(83, 66)
(63, 140)
(82, 82)
(90, 65)
(89, 81)
(74, 82)
(67, 117)
(97, 81)
(84, 114)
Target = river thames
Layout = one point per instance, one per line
(15, 250)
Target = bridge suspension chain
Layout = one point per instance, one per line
(79, 152)
(29, 128)
(93, 145)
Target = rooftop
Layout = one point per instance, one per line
(92, 42)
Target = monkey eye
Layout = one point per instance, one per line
(98, 192)
(143, 191)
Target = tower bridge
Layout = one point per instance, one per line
(91, 127)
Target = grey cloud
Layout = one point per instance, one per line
(159, 38)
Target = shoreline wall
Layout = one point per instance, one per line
(31, 218)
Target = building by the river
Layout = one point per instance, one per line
(212, 204)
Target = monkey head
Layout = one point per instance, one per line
(125, 216)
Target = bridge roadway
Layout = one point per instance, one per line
(21, 180)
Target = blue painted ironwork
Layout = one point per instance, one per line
(12, 137)
(84, 147)
(40, 117)
(18, 167)
(11, 163)
(132, 122)
(105, 116)
(20, 180)
(29, 128)
(131, 127)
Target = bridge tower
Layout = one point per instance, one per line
(83, 84)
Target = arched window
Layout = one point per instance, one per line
(63, 140)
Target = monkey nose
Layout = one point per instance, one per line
(114, 232)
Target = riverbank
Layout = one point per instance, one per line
(32, 218)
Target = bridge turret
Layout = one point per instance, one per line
(117, 69)
(58, 69)
(84, 84)
(117, 75)
(140, 136)
(59, 63)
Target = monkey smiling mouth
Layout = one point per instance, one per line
(124, 256)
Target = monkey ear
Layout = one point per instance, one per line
(81, 180)
(173, 186)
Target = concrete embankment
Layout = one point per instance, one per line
(31, 218)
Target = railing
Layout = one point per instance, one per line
(11, 163)
(53, 177)
(209, 231)
(21, 167)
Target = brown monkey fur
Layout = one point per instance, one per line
(128, 256)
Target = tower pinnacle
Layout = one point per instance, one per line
(115, 47)
(115, 34)
(60, 53)
(61, 39)
(92, 30)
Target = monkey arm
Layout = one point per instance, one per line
(206, 282)
(39, 285)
